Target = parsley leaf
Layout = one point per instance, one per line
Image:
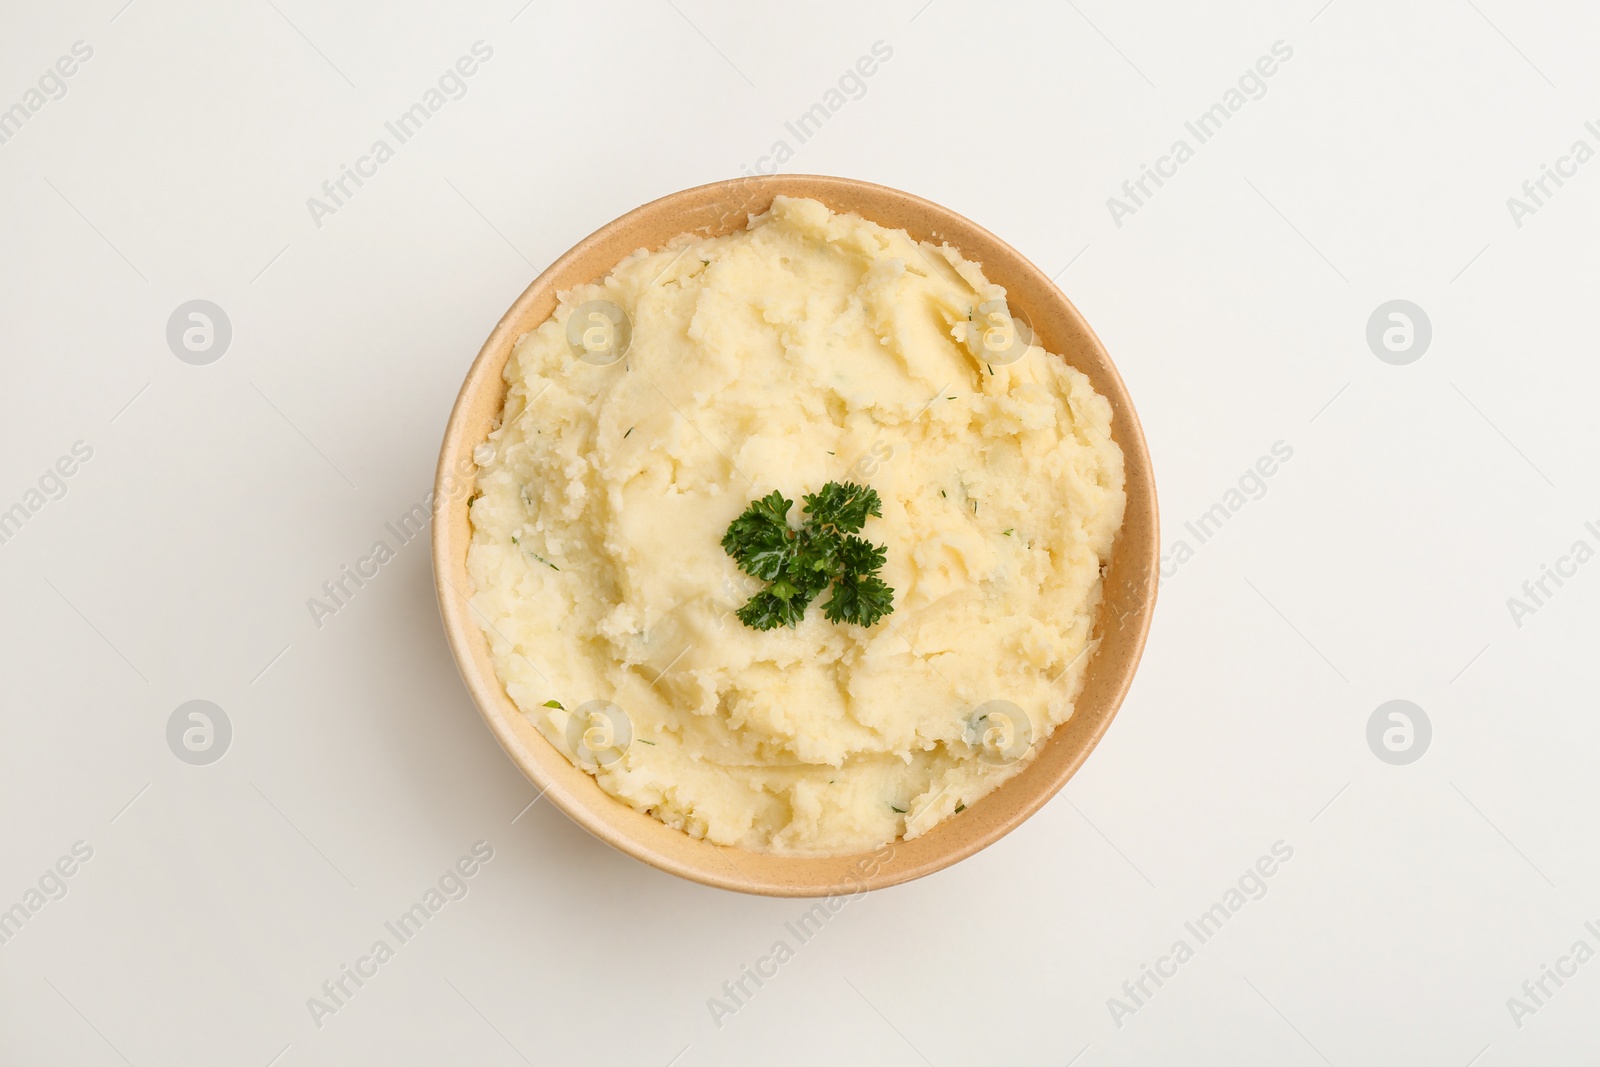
(860, 555)
(801, 563)
(768, 611)
(844, 506)
(760, 540)
(857, 599)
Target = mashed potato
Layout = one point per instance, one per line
(811, 347)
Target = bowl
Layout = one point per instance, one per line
(1130, 579)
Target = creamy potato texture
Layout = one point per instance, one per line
(810, 347)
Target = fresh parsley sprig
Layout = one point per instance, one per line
(801, 563)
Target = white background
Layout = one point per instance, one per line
(1377, 566)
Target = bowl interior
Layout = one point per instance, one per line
(1130, 583)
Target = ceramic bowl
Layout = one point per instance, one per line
(1130, 580)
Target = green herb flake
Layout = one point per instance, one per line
(630, 430)
(991, 370)
(944, 494)
(900, 811)
(642, 741)
(1005, 533)
(554, 704)
(546, 562)
(800, 563)
(960, 808)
